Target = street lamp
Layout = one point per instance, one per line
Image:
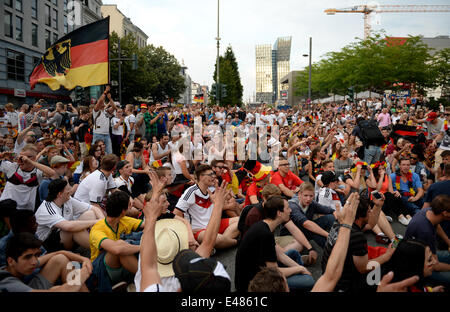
(218, 57)
(309, 82)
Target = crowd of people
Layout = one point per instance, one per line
(141, 197)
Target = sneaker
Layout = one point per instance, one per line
(403, 221)
(389, 218)
(382, 239)
(120, 287)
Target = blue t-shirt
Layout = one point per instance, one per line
(416, 183)
(436, 189)
(422, 229)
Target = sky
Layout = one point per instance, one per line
(188, 29)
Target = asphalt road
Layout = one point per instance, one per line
(227, 257)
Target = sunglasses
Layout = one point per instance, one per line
(212, 174)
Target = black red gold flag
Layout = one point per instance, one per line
(80, 58)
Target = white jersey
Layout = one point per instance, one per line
(121, 181)
(101, 122)
(196, 206)
(329, 198)
(23, 192)
(49, 214)
(94, 187)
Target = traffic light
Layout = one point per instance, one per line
(214, 91)
(79, 95)
(134, 65)
(351, 94)
(223, 91)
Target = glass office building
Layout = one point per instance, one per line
(272, 64)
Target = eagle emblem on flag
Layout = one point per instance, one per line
(56, 59)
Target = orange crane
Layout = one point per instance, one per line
(368, 9)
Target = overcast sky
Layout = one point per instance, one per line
(187, 29)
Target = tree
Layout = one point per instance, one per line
(156, 77)
(374, 64)
(229, 75)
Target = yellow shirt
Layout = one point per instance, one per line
(102, 230)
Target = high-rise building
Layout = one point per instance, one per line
(272, 64)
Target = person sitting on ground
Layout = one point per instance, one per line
(21, 221)
(412, 258)
(23, 178)
(23, 257)
(194, 272)
(196, 203)
(393, 203)
(107, 249)
(59, 165)
(63, 220)
(287, 181)
(98, 184)
(313, 219)
(409, 186)
(268, 280)
(424, 227)
(124, 182)
(257, 249)
(353, 278)
(291, 237)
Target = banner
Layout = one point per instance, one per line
(80, 58)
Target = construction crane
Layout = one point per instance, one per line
(368, 9)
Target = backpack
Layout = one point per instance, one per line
(241, 223)
(65, 121)
(370, 133)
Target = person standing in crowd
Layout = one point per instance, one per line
(101, 116)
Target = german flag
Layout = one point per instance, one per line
(80, 58)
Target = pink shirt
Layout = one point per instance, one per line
(384, 120)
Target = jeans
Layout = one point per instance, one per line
(442, 278)
(105, 138)
(412, 207)
(325, 222)
(372, 154)
(299, 282)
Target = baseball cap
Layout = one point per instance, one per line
(432, 116)
(328, 177)
(58, 160)
(200, 275)
(171, 236)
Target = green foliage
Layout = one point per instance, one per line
(229, 76)
(376, 64)
(156, 76)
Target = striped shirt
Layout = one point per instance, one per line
(49, 214)
(196, 206)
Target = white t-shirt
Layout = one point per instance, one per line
(196, 206)
(24, 195)
(101, 123)
(250, 117)
(329, 198)
(49, 214)
(121, 181)
(176, 159)
(130, 119)
(19, 147)
(119, 130)
(94, 187)
(13, 118)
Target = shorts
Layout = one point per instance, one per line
(39, 282)
(224, 223)
(53, 241)
(118, 275)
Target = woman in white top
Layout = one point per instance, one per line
(117, 123)
(181, 164)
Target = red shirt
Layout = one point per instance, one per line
(291, 181)
(253, 190)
